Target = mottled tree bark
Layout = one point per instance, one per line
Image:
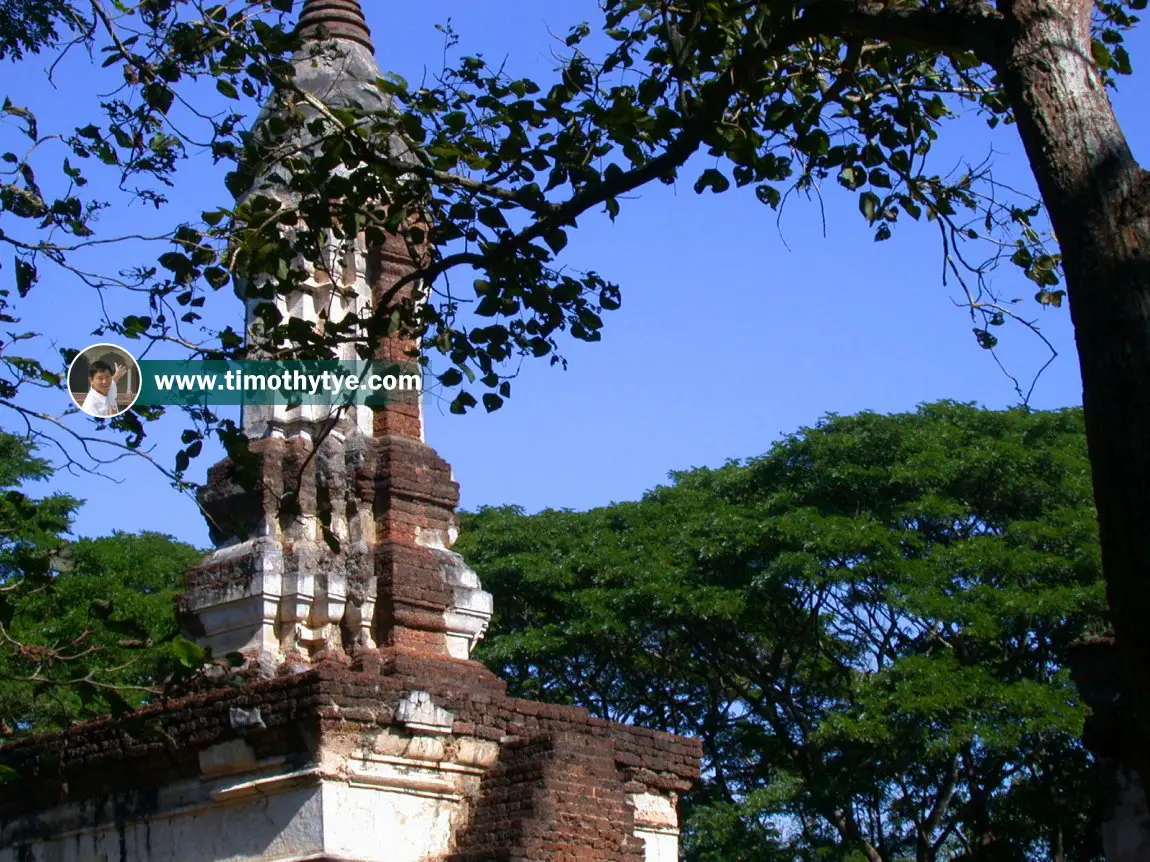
(1096, 195)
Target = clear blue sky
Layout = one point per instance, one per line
(733, 331)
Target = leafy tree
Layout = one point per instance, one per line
(496, 172)
(87, 626)
(30, 528)
(867, 627)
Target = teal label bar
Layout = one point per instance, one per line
(291, 383)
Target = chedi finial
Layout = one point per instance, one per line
(337, 19)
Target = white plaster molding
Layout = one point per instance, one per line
(415, 763)
(227, 758)
(269, 786)
(417, 711)
(657, 824)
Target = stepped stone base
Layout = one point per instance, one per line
(394, 757)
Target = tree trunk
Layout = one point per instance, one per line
(1096, 195)
(1123, 813)
(1057, 837)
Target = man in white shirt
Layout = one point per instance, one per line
(101, 398)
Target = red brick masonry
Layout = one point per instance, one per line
(557, 792)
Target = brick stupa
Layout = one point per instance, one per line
(360, 728)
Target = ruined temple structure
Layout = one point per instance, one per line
(358, 728)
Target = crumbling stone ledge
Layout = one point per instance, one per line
(557, 779)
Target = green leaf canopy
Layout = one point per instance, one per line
(867, 627)
(87, 627)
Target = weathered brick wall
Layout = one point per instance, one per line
(553, 796)
(388, 263)
(155, 746)
(413, 496)
(161, 743)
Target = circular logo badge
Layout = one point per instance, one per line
(104, 380)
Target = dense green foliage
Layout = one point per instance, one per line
(107, 624)
(866, 626)
(785, 97)
(86, 626)
(30, 527)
